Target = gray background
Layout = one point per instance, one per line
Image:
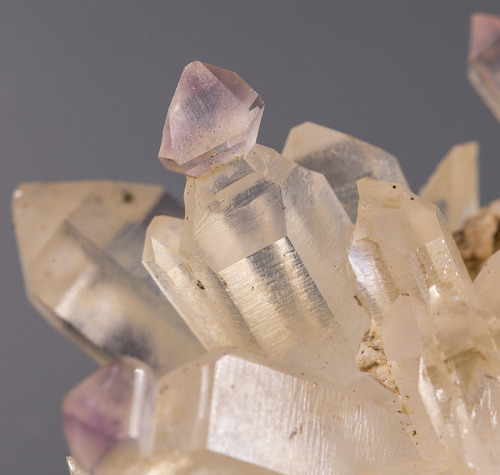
(85, 86)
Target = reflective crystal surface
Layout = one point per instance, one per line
(460, 385)
(198, 303)
(214, 118)
(454, 186)
(402, 246)
(342, 159)
(73, 467)
(80, 245)
(230, 410)
(114, 405)
(484, 59)
(247, 238)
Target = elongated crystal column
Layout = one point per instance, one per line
(204, 306)
(273, 233)
(402, 246)
(229, 410)
(342, 159)
(80, 244)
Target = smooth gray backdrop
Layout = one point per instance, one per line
(85, 86)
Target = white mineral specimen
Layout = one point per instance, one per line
(454, 186)
(236, 413)
(80, 245)
(342, 159)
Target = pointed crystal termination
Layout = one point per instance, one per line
(484, 59)
(342, 159)
(270, 234)
(454, 186)
(214, 118)
(80, 245)
(195, 301)
(460, 385)
(115, 405)
(234, 410)
(402, 246)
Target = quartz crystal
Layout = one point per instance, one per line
(114, 405)
(199, 304)
(342, 159)
(460, 384)
(214, 118)
(80, 245)
(454, 186)
(484, 59)
(402, 246)
(237, 413)
(247, 238)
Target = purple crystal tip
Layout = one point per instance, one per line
(114, 404)
(484, 32)
(213, 118)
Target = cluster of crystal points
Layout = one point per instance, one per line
(319, 317)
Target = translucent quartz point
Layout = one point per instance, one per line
(270, 235)
(114, 405)
(454, 186)
(214, 118)
(401, 333)
(233, 410)
(460, 385)
(80, 245)
(402, 246)
(73, 467)
(342, 159)
(484, 59)
(199, 304)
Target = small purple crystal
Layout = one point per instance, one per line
(214, 118)
(114, 404)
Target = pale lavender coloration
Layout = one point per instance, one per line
(484, 59)
(213, 118)
(112, 405)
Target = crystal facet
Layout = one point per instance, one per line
(484, 59)
(402, 246)
(234, 410)
(454, 186)
(247, 238)
(80, 244)
(73, 467)
(114, 405)
(342, 159)
(460, 385)
(214, 118)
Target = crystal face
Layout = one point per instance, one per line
(454, 186)
(246, 240)
(114, 405)
(484, 59)
(214, 118)
(342, 159)
(80, 244)
(402, 246)
(234, 410)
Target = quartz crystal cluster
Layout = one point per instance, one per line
(311, 315)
